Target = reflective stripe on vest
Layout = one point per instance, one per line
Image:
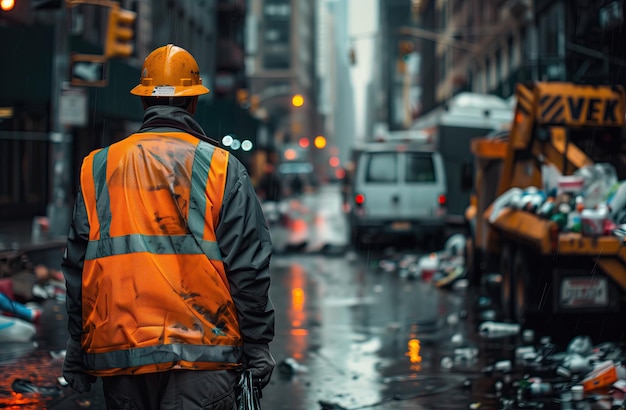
(162, 354)
(186, 244)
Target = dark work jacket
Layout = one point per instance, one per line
(167, 262)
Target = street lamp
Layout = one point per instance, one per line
(319, 142)
(7, 5)
(297, 100)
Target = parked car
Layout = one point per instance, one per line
(398, 192)
(297, 177)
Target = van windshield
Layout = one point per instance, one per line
(419, 167)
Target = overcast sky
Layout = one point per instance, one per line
(362, 26)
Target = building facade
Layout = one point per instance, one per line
(280, 64)
(487, 46)
(42, 141)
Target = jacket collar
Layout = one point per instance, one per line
(171, 115)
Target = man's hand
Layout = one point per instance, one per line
(74, 369)
(258, 359)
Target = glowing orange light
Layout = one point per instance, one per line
(414, 351)
(7, 5)
(299, 332)
(299, 225)
(297, 298)
(340, 173)
(320, 142)
(333, 161)
(297, 100)
(290, 154)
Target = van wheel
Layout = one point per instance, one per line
(355, 236)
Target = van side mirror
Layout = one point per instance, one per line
(467, 176)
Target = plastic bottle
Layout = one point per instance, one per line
(574, 363)
(491, 329)
(574, 217)
(466, 353)
(13, 329)
(547, 208)
(560, 216)
(533, 388)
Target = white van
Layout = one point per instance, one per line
(398, 191)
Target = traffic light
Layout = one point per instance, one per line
(17, 11)
(120, 32)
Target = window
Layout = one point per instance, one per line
(381, 167)
(278, 10)
(419, 167)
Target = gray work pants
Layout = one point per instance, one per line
(172, 390)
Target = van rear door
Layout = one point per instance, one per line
(422, 184)
(401, 185)
(378, 182)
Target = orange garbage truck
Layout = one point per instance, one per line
(553, 263)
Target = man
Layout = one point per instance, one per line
(167, 259)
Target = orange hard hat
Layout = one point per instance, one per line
(170, 71)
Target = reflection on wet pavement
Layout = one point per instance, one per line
(355, 335)
(376, 329)
(32, 372)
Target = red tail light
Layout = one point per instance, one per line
(441, 200)
(359, 199)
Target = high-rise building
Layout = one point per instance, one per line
(280, 64)
(487, 46)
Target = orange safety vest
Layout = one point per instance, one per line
(155, 295)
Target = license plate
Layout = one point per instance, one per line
(401, 226)
(584, 292)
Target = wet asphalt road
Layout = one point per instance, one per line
(349, 334)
